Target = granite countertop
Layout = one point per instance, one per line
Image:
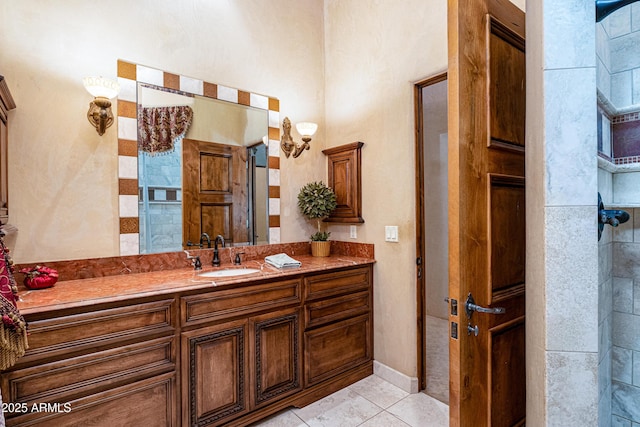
(97, 290)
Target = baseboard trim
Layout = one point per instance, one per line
(398, 379)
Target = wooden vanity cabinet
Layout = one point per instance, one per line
(255, 350)
(99, 365)
(250, 357)
(229, 356)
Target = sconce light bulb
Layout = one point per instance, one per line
(101, 87)
(306, 129)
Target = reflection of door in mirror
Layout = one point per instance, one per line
(215, 192)
(228, 187)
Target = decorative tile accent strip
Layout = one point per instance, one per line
(129, 74)
(627, 160)
(164, 194)
(630, 117)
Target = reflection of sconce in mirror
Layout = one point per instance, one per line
(287, 144)
(99, 114)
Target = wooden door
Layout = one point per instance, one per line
(215, 191)
(487, 211)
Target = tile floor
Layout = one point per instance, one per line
(437, 352)
(371, 402)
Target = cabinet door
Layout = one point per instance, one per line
(276, 353)
(214, 374)
(337, 347)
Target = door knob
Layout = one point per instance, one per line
(473, 329)
(470, 306)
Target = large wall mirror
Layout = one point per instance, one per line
(218, 177)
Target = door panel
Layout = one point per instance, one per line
(507, 358)
(506, 92)
(487, 211)
(506, 207)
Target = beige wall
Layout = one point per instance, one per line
(373, 60)
(63, 176)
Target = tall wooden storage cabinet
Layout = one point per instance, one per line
(6, 104)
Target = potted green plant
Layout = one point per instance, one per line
(317, 201)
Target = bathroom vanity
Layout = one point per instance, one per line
(172, 348)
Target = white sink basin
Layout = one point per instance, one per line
(229, 272)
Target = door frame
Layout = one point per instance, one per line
(421, 306)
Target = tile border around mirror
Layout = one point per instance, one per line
(129, 74)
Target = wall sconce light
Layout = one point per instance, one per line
(306, 129)
(99, 114)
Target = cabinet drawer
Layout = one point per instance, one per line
(225, 304)
(341, 282)
(150, 402)
(62, 335)
(68, 379)
(330, 310)
(336, 348)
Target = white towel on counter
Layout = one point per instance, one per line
(282, 261)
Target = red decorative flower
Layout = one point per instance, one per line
(39, 277)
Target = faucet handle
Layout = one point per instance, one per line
(195, 260)
(238, 260)
(197, 264)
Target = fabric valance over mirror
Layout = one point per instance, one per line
(159, 127)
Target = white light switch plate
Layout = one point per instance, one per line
(353, 232)
(391, 233)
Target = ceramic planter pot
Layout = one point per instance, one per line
(321, 248)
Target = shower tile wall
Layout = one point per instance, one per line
(625, 354)
(621, 58)
(605, 305)
(618, 76)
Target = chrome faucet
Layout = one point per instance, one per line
(216, 259)
(203, 237)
